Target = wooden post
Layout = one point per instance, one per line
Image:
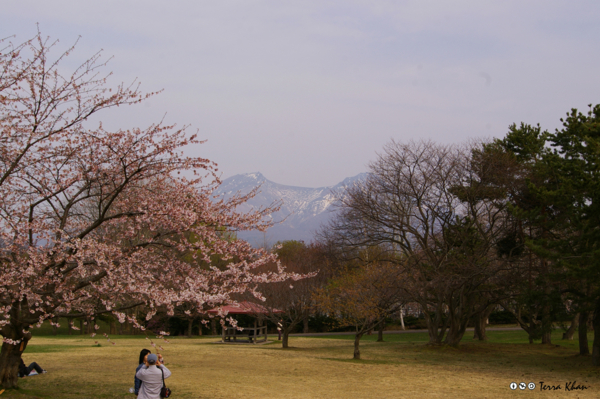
(254, 336)
(213, 326)
(402, 317)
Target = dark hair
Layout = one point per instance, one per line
(143, 354)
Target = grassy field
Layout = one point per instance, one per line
(315, 367)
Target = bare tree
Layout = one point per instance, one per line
(423, 202)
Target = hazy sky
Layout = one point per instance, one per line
(307, 92)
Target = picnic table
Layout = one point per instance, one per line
(246, 334)
(252, 335)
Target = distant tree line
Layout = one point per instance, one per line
(464, 230)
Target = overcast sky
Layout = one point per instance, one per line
(307, 92)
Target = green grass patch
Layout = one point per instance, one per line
(400, 337)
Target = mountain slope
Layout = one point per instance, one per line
(302, 212)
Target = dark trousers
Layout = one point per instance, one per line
(34, 366)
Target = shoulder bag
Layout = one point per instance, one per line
(164, 391)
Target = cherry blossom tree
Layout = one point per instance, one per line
(95, 221)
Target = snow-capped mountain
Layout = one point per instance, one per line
(302, 212)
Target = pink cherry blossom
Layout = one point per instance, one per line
(96, 221)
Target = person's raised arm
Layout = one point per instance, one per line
(142, 373)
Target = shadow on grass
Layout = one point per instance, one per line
(505, 353)
(361, 361)
(57, 348)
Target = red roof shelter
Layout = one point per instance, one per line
(244, 307)
(247, 334)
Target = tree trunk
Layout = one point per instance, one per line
(596, 344)
(481, 321)
(305, 327)
(530, 327)
(456, 332)
(435, 327)
(10, 355)
(459, 318)
(479, 327)
(69, 325)
(402, 317)
(213, 326)
(357, 338)
(54, 328)
(380, 331)
(584, 348)
(568, 335)
(10, 358)
(547, 326)
(189, 327)
(285, 336)
(113, 327)
(547, 338)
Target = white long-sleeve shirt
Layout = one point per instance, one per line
(151, 381)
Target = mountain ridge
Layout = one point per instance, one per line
(302, 212)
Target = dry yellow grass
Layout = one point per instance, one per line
(313, 368)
